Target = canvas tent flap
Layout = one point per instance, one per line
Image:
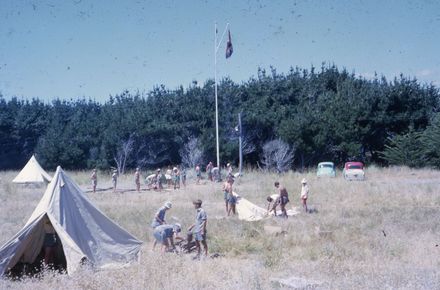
(22, 247)
(249, 211)
(32, 172)
(84, 231)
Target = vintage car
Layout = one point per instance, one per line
(326, 169)
(354, 171)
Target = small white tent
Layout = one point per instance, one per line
(84, 233)
(32, 172)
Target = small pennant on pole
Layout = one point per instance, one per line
(229, 49)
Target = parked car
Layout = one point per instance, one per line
(326, 169)
(354, 171)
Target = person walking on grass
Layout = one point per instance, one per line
(199, 228)
(137, 179)
(166, 234)
(114, 179)
(284, 198)
(94, 178)
(159, 217)
(304, 194)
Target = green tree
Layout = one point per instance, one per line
(406, 149)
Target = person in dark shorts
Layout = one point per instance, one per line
(231, 198)
(284, 198)
(50, 242)
(199, 228)
(198, 174)
(227, 190)
(176, 178)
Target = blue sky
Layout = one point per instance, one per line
(85, 48)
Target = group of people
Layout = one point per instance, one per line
(212, 171)
(173, 177)
(282, 198)
(94, 179)
(165, 234)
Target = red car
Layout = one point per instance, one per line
(354, 171)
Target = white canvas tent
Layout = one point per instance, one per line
(32, 172)
(84, 232)
(248, 211)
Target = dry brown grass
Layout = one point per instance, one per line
(342, 244)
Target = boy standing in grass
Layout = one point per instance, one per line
(137, 179)
(284, 198)
(209, 170)
(231, 198)
(200, 228)
(94, 179)
(176, 178)
(227, 190)
(184, 177)
(304, 193)
(114, 179)
(198, 174)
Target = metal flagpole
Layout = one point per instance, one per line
(240, 144)
(216, 47)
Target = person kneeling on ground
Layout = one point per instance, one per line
(165, 235)
(159, 217)
(199, 228)
(273, 202)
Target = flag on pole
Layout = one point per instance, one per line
(229, 49)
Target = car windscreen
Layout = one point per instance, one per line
(354, 167)
(325, 166)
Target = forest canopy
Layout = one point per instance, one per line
(324, 114)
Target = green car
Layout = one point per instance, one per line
(326, 169)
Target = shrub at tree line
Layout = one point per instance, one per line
(328, 114)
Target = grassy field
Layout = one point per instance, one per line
(382, 233)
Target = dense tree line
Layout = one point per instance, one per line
(323, 114)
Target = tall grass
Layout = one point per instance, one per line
(380, 233)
